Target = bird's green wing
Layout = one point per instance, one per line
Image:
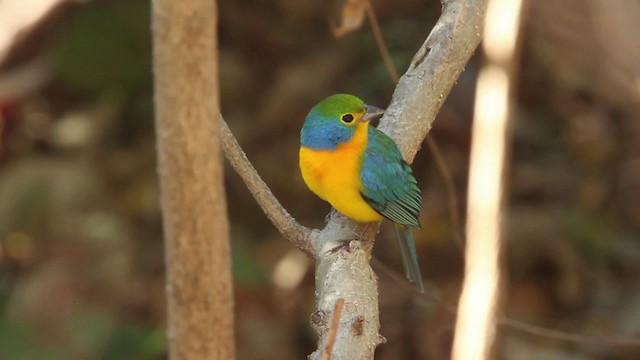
(388, 184)
(390, 188)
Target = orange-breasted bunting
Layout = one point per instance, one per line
(360, 171)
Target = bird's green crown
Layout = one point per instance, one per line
(335, 105)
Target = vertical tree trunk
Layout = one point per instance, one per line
(199, 287)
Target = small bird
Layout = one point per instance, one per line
(360, 171)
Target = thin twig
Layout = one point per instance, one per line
(526, 328)
(505, 321)
(567, 336)
(399, 279)
(382, 46)
(452, 194)
(333, 331)
(445, 172)
(297, 234)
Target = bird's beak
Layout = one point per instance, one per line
(371, 112)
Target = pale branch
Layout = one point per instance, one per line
(475, 333)
(430, 140)
(431, 298)
(343, 272)
(346, 273)
(298, 235)
(432, 73)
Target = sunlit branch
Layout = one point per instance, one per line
(476, 323)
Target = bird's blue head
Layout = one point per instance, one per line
(333, 121)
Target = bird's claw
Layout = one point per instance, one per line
(344, 243)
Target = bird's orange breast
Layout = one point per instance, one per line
(334, 175)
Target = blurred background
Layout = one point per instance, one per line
(81, 251)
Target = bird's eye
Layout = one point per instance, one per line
(347, 118)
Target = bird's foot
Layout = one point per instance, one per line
(342, 244)
(361, 235)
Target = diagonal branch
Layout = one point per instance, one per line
(432, 73)
(298, 235)
(454, 212)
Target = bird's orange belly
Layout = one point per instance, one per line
(335, 177)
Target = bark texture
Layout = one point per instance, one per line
(199, 282)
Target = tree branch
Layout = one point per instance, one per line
(346, 273)
(430, 140)
(199, 283)
(298, 235)
(432, 73)
(491, 140)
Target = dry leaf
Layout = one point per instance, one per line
(351, 18)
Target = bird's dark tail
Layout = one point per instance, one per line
(409, 256)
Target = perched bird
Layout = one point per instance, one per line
(360, 171)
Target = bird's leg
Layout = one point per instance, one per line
(360, 236)
(330, 215)
(343, 244)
